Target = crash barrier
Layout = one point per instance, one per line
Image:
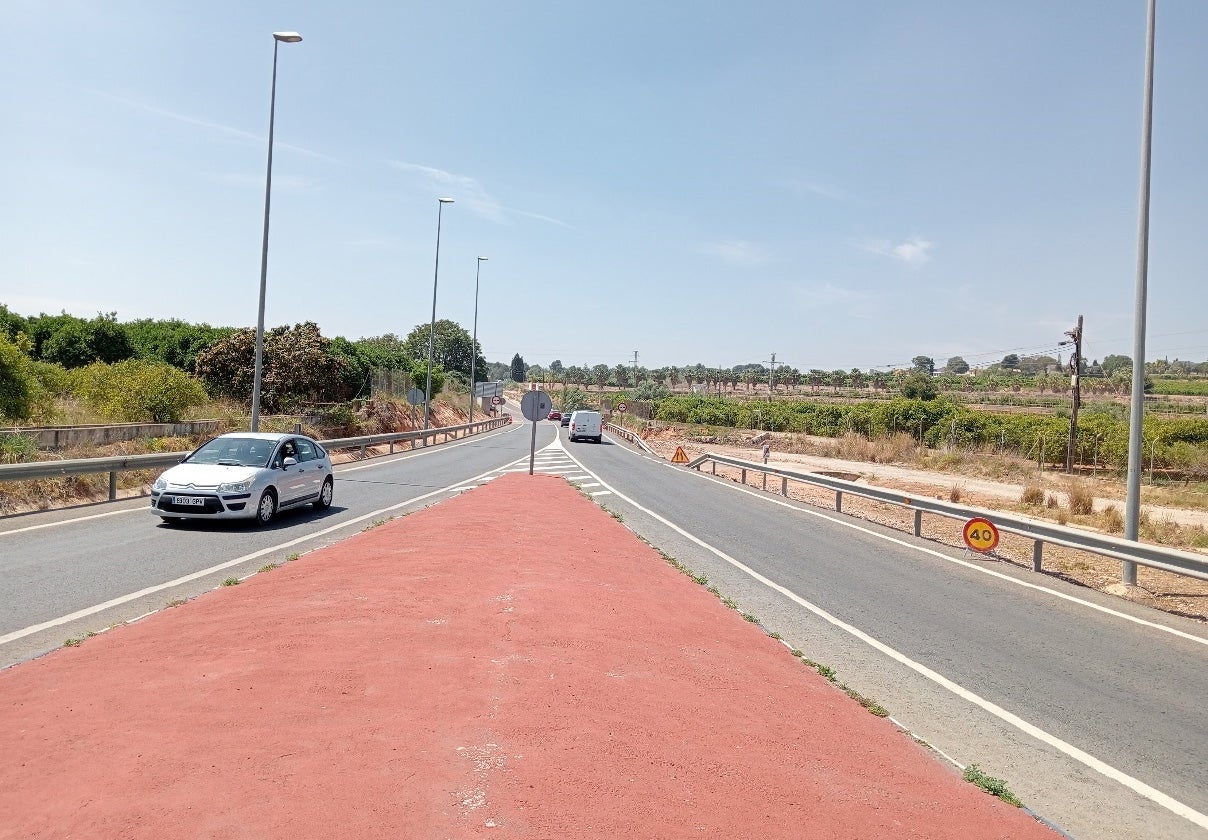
(63, 437)
(123, 463)
(629, 436)
(1154, 556)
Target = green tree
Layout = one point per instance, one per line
(299, 366)
(556, 366)
(73, 342)
(11, 323)
(957, 365)
(599, 374)
(519, 368)
(137, 391)
(1010, 362)
(919, 386)
(926, 364)
(1113, 363)
(419, 375)
(172, 342)
(17, 385)
(452, 347)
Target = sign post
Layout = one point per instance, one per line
(415, 396)
(536, 405)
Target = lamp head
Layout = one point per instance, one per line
(445, 200)
(287, 37)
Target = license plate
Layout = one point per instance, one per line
(188, 500)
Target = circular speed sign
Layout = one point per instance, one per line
(980, 534)
(621, 408)
(496, 400)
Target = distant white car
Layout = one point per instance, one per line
(245, 475)
(586, 424)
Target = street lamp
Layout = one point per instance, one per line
(474, 340)
(440, 205)
(258, 376)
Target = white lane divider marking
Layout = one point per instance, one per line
(965, 563)
(150, 590)
(338, 469)
(1086, 759)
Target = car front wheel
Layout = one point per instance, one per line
(266, 509)
(324, 500)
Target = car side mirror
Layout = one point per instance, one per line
(290, 462)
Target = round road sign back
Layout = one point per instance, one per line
(980, 534)
(536, 405)
(415, 396)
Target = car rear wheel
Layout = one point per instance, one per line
(324, 500)
(266, 508)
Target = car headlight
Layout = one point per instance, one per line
(235, 486)
(159, 484)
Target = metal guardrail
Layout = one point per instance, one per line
(1156, 557)
(620, 431)
(124, 463)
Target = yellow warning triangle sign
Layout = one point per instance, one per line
(680, 456)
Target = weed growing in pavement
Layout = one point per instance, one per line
(73, 642)
(616, 514)
(730, 602)
(873, 706)
(176, 602)
(375, 523)
(750, 618)
(797, 653)
(991, 785)
(231, 581)
(268, 567)
(775, 635)
(292, 557)
(715, 591)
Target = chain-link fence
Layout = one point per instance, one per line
(389, 383)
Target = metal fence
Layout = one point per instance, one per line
(1156, 557)
(123, 463)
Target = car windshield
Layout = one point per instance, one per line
(233, 452)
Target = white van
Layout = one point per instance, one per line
(586, 424)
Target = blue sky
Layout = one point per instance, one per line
(844, 184)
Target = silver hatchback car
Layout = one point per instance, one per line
(245, 475)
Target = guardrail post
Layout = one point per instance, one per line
(1037, 554)
(784, 485)
(362, 452)
(744, 476)
(391, 447)
(713, 466)
(765, 481)
(918, 523)
(112, 485)
(838, 501)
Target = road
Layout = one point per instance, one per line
(1022, 668)
(66, 573)
(1088, 706)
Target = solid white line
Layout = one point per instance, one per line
(122, 599)
(991, 572)
(336, 471)
(1136, 785)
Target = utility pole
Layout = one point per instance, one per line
(771, 376)
(1075, 380)
(635, 368)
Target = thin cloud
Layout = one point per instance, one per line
(915, 251)
(737, 252)
(469, 192)
(800, 185)
(213, 126)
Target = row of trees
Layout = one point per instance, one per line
(124, 370)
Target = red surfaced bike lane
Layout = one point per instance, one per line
(510, 663)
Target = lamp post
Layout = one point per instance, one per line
(440, 205)
(258, 376)
(474, 340)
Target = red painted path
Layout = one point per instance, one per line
(511, 663)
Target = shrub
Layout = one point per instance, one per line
(1032, 495)
(1081, 500)
(956, 493)
(1112, 520)
(17, 385)
(133, 390)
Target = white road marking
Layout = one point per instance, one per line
(336, 470)
(1084, 758)
(602, 493)
(150, 590)
(991, 572)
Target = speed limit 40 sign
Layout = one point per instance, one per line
(980, 534)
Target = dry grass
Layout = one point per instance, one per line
(1033, 494)
(1051, 501)
(1111, 520)
(1082, 501)
(956, 493)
